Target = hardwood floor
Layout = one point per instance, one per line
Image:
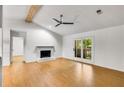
(60, 73)
(0, 75)
(18, 59)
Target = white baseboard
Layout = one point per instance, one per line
(79, 60)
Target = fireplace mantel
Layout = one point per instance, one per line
(45, 48)
(40, 47)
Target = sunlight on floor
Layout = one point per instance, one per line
(88, 74)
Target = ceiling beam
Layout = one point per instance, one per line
(32, 12)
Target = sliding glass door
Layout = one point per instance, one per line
(83, 48)
(78, 48)
(87, 48)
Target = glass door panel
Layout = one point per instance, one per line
(78, 48)
(87, 48)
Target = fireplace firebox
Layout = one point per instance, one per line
(45, 53)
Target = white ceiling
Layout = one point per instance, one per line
(84, 16)
(15, 12)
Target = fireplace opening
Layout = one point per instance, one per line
(45, 53)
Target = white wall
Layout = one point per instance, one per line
(0, 30)
(108, 46)
(42, 37)
(36, 36)
(0, 42)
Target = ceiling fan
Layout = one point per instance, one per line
(61, 21)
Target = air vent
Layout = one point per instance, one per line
(99, 12)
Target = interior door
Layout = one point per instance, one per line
(17, 46)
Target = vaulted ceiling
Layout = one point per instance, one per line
(84, 17)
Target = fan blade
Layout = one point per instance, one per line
(57, 25)
(56, 20)
(67, 23)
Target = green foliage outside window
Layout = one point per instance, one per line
(87, 45)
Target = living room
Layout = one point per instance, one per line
(63, 45)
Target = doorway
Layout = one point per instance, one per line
(17, 46)
(78, 48)
(17, 49)
(83, 49)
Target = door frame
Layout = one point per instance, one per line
(14, 33)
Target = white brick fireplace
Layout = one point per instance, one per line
(45, 52)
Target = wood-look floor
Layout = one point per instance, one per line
(17, 59)
(60, 73)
